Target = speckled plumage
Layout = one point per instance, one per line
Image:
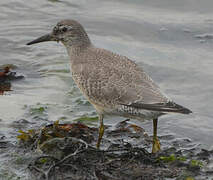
(109, 80)
(113, 83)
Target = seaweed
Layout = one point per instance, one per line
(6, 76)
(68, 151)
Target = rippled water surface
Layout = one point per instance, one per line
(172, 40)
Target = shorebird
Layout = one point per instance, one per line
(113, 84)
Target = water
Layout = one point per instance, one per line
(172, 40)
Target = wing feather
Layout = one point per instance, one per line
(161, 107)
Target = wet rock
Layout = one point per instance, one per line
(204, 36)
(5, 144)
(67, 151)
(6, 76)
(204, 154)
(22, 123)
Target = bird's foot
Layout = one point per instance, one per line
(155, 145)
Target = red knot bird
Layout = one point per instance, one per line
(113, 84)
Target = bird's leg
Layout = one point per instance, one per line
(101, 130)
(156, 142)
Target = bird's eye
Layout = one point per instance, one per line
(64, 29)
(55, 30)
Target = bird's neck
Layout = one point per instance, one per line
(76, 52)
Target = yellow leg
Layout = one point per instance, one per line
(101, 130)
(156, 142)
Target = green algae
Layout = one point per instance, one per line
(86, 119)
(172, 158)
(38, 110)
(194, 162)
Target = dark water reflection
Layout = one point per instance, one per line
(171, 39)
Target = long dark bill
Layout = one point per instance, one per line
(44, 38)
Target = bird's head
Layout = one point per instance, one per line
(69, 32)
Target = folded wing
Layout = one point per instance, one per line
(161, 107)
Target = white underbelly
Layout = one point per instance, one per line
(133, 113)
